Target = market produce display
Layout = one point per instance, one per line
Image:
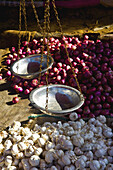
(57, 145)
(93, 66)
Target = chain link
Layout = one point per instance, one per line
(20, 25)
(36, 16)
(72, 68)
(25, 21)
(48, 53)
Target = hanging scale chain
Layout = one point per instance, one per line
(72, 68)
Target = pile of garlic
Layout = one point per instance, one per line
(55, 146)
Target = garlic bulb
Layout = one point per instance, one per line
(25, 164)
(109, 167)
(89, 155)
(45, 137)
(41, 142)
(15, 162)
(29, 151)
(2, 161)
(8, 160)
(35, 137)
(20, 155)
(49, 145)
(78, 141)
(78, 151)
(110, 151)
(1, 148)
(102, 119)
(34, 160)
(22, 146)
(107, 133)
(49, 157)
(34, 168)
(53, 168)
(3, 134)
(15, 149)
(102, 165)
(38, 150)
(12, 168)
(100, 152)
(66, 144)
(42, 164)
(80, 164)
(65, 159)
(73, 116)
(77, 125)
(7, 144)
(94, 165)
(70, 167)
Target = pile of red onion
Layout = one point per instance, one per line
(93, 63)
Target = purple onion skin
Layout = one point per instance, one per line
(96, 99)
(110, 99)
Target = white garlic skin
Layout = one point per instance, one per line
(41, 142)
(65, 159)
(25, 164)
(38, 151)
(20, 155)
(2, 161)
(1, 148)
(100, 152)
(110, 151)
(34, 160)
(42, 164)
(35, 137)
(77, 125)
(107, 133)
(34, 168)
(67, 144)
(49, 157)
(73, 116)
(70, 167)
(109, 167)
(15, 162)
(22, 146)
(78, 141)
(61, 163)
(102, 165)
(3, 134)
(102, 119)
(29, 151)
(7, 144)
(15, 149)
(80, 163)
(12, 168)
(94, 165)
(49, 145)
(8, 160)
(78, 151)
(53, 168)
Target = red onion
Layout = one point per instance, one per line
(96, 99)
(15, 100)
(109, 99)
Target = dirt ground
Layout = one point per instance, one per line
(97, 19)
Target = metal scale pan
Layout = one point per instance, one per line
(61, 99)
(28, 67)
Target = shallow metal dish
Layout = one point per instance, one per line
(28, 67)
(61, 99)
